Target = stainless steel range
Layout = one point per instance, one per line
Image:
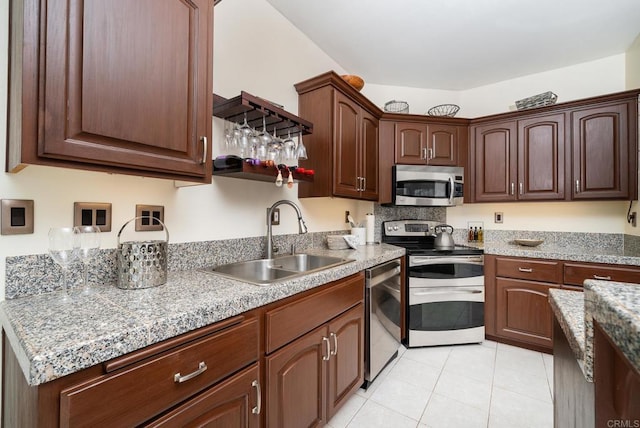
(445, 288)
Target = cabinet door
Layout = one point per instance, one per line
(600, 141)
(495, 160)
(523, 312)
(345, 155)
(369, 156)
(541, 148)
(346, 366)
(122, 91)
(232, 403)
(442, 146)
(297, 382)
(411, 143)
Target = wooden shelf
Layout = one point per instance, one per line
(234, 109)
(260, 173)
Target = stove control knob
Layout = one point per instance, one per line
(395, 227)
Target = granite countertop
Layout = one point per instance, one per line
(579, 252)
(52, 338)
(568, 307)
(616, 307)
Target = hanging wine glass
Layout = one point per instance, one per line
(289, 148)
(63, 249)
(89, 244)
(301, 150)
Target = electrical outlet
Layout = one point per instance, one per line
(498, 217)
(275, 216)
(17, 216)
(346, 216)
(92, 214)
(633, 219)
(150, 214)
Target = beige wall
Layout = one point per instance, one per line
(632, 81)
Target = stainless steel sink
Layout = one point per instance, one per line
(268, 271)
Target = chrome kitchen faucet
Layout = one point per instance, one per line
(302, 227)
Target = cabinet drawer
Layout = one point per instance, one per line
(136, 393)
(296, 318)
(575, 274)
(534, 270)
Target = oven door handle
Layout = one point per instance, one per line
(431, 260)
(449, 292)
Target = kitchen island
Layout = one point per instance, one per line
(611, 310)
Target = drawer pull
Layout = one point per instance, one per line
(335, 343)
(603, 278)
(527, 270)
(328, 348)
(256, 410)
(202, 367)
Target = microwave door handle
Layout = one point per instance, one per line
(452, 190)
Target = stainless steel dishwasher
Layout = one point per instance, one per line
(382, 312)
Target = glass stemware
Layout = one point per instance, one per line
(289, 148)
(63, 249)
(89, 246)
(301, 151)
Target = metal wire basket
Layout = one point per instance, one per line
(447, 110)
(394, 106)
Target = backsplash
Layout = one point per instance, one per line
(37, 274)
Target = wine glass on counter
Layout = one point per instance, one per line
(64, 247)
(89, 247)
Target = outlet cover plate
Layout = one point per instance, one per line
(92, 214)
(147, 224)
(16, 216)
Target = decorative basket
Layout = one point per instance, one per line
(447, 110)
(141, 264)
(394, 106)
(356, 81)
(545, 99)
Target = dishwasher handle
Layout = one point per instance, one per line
(383, 272)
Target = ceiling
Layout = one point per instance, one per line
(462, 44)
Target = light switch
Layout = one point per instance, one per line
(17, 216)
(92, 214)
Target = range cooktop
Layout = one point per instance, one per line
(418, 237)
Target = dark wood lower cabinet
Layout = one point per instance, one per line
(573, 396)
(617, 384)
(232, 403)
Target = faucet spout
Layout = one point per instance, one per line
(302, 227)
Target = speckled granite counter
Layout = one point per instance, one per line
(579, 252)
(568, 307)
(616, 307)
(52, 339)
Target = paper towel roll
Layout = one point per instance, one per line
(371, 228)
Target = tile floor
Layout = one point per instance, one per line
(481, 385)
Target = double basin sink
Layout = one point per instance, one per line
(268, 271)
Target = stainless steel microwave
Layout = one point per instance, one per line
(424, 185)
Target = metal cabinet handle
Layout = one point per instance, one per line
(202, 367)
(429, 154)
(328, 348)
(364, 184)
(513, 188)
(204, 149)
(527, 270)
(577, 186)
(424, 154)
(603, 278)
(520, 188)
(256, 410)
(335, 343)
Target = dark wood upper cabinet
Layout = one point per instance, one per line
(411, 143)
(585, 149)
(343, 149)
(541, 157)
(119, 86)
(604, 151)
(428, 143)
(494, 151)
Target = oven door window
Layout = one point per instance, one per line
(433, 189)
(446, 316)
